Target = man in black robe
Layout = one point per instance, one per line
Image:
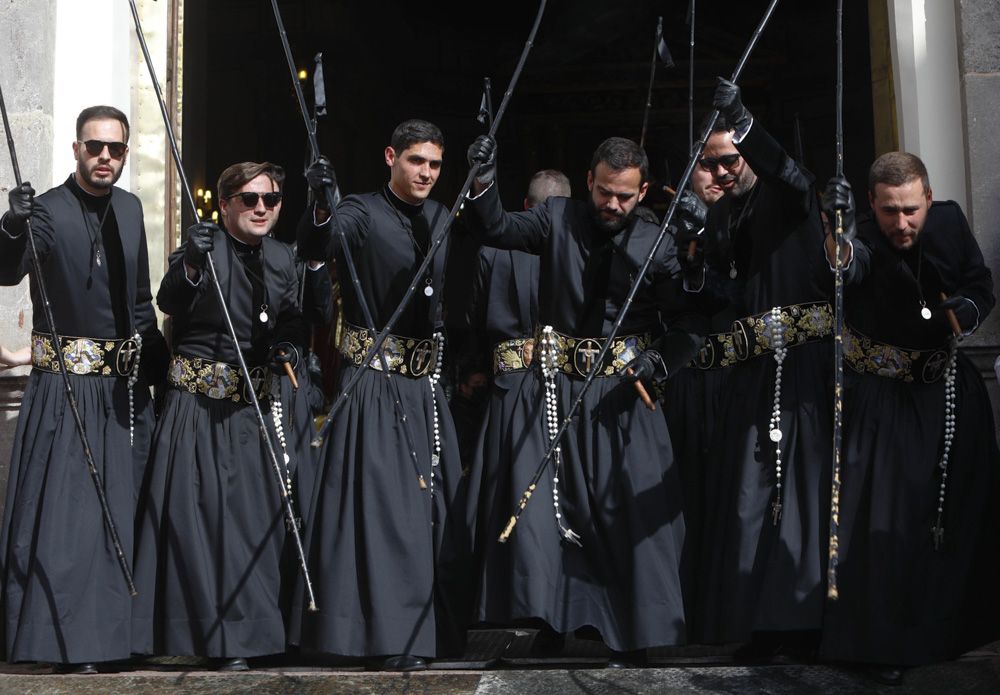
(918, 565)
(380, 536)
(600, 546)
(63, 595)
(764, 572)
(210, 523)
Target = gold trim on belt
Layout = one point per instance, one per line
(576, 356)
(412, 357)
(802, 323)
(867, 356)
(219, 381)
(513, 355)
(96, 356)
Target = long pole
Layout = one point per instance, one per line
(210, 268)
(345, 248)
(435, 242)
(88, 455)
(691, 81)
(838, 333)
(652, 76)
(685, 177)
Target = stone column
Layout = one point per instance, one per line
(27, 72)
(979, 67)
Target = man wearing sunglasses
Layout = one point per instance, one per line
(380, 533)
(64, 599)
(210, 524)
(769, 471)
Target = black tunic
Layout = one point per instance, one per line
(386, 555)
(63, 595)
(619, 489)
(210, 525)
(902, 602)
(758, 576)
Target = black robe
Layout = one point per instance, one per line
(386, 555)
(901, 601)
(619, 489)
(63, 595)
(757, 575)
(210, 523)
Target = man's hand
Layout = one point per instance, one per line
(838, 196)
(727, 101)
(482, 156)
(965, 311)
(200, 242)
(280, 355)
(320, 176)
(22, 206)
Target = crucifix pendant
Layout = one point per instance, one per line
(97, 256)
(776, 512)
(263, 313)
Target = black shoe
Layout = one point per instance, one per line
(86, 668)
(886, 675)
(547, 643)
(633, 659)
(234, 664)
(404, 662)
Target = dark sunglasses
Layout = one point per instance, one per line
(249, 198)
(117, 150)
(727, 160)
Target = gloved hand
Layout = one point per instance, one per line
(690, 239)
(280, 355)
(965, 311)
(200, 242)
(647, 368)
(838, 196)
(691, 210)
(22, 206)
(727, 101)
(482, 154)
(320, 176)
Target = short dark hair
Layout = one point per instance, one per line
(238, 175)
(547, 183)
(619, 154)
(99, 113)
(414, 131)
(896, 169)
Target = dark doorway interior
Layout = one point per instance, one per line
(586, 79)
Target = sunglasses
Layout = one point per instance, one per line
(727, 160)
(249, 199)
(94, 148)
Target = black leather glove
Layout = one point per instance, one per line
(690, 238)
(648, 368)
(838, 196)
(727, 101)
(280, 355)
(22, 206)
(965, 311)
(482, 154)
(691, 210)
(200, 242)
(320, 176)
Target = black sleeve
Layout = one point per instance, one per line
(15, 256)
(769, 161)
(155, 355)
(290, 326)
(177, 295)
(976, 281)
(492, 226)
(317, 295)
(685, 325)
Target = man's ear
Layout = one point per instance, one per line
(590, 180)
(642, 190)
(390, 156)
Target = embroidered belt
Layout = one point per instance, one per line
(97, 356)
(219, 381)
(577, 356)
(801, 324)
(867, 356)
(513, 355)
(717, 352)
(412, 357)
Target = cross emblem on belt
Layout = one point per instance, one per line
(586, 351)
(126, 356)
(421, 358)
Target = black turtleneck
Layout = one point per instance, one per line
(418, 228)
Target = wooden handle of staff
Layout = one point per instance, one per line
(290, 373)
(643, 394)
(956, 328)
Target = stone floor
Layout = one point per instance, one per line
(578, 670)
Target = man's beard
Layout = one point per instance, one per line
(611, 226)
(103, 184)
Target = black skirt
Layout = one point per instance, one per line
(618, 489)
